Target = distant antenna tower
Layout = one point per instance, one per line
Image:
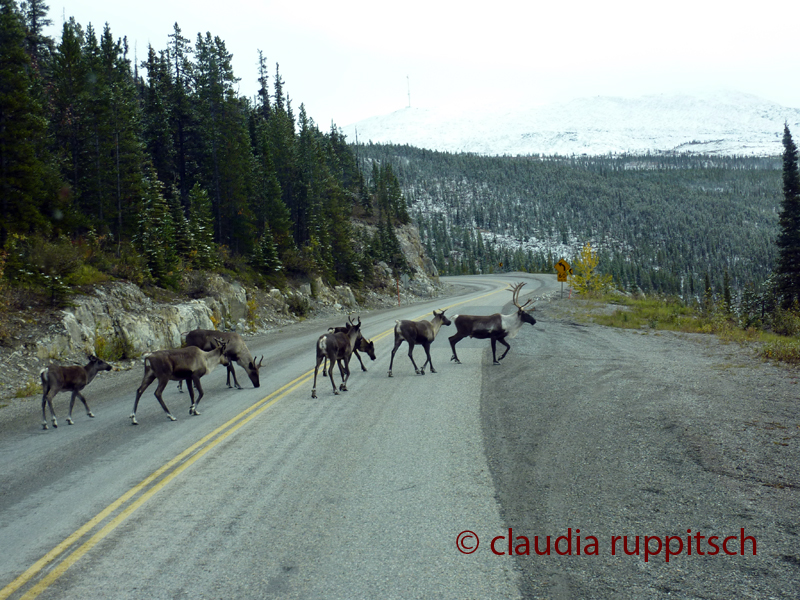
(408, 82)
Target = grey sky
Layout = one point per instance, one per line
(348, 60)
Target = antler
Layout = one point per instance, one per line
(515, 291)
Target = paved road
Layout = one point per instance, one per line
(268, 493)
(631, 433)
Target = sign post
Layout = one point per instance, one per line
(563, 269)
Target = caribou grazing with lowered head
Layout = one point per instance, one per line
(337, 348)
(362, 344)
(418, 332)
(73, 379)
(181, 364)
(235, 350)
(496, 327)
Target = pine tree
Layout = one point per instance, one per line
(787, 270)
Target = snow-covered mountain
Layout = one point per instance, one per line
(721, 122)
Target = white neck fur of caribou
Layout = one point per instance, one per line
(496, 327)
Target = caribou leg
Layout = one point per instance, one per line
(159, 390)
(330, 374)
(345, 374)
(454, 339)
(397, 342)
(231, 371)
(411, 356)
(195, 403)
(316, 368)
(427, 347)
(358, 356)
(47, 399)
(503, 341)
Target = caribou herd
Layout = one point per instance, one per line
(205, 349)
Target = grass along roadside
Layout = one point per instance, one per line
(671, 314)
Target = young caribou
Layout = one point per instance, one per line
(418, 332)
(68, 379)
(496, 327)
(188, 364)
(337, 348)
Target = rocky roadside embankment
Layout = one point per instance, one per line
(119, 322)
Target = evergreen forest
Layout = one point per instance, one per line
(661, 223)
(111, 169)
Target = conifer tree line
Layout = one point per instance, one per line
(162, 165)
(660, 223)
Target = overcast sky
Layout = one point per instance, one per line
(348, 60)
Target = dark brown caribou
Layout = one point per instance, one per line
(362, 344)
(496, 327)
(337, 348)
(73, 379)
(418, 332)
(235, 350)
(181, 364)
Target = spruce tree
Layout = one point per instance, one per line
(201, 222)
(788, 265)
(22, 131)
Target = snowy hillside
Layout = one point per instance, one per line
(728, 123)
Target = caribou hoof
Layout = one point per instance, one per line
(390, 374)
(420, 371)
(497, 362)
(433, 370)
(70, 421)
(455, 358)
(343, 388)
(335, 392)
(171, 418)
(91, 415)
(133, 420)
(313, 393)
(364, 369)
(55, 424)
(44, 426)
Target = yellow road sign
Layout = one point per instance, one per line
(563, 269)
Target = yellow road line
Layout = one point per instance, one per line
(182, 460)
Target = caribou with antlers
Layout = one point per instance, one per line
(418, 332)
(496, 327)
(362, 344)
(337, 348)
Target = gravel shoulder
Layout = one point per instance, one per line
(641, 433)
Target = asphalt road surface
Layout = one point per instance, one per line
(609, 433)
(268, 493)
(678, 440)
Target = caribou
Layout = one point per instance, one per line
(181, 364)
(496, 327)
(418, 332)
(362, 344)
(73, 379)
(236, 351)
(337, 347)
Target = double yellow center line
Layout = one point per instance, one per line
(133, 499)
